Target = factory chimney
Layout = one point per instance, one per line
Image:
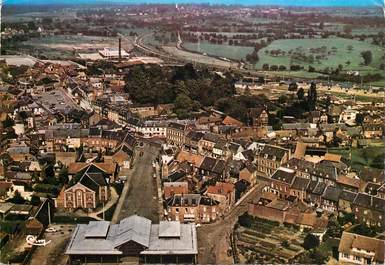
(120, 49)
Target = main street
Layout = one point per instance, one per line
(214, 239)
(140, 193)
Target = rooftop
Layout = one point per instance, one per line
(103, 238)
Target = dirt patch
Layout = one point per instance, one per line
(53, 253)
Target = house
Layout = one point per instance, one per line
(65, 158)
(209, 120)
(5, 187)
(108, 169)
(172, 188)
(270, 158)
(235, 148)
(232, 122)
(194, 160)
(319, 172)
(192, 208)
(175, 133)
(275, 210)
(358, 249)
(134, 237)
(245, 155)
(314, 116)
(314, 191)
(381, 192)
(222, 192)
(346, 200)
(151, 129)
(249, 174)
(348, 116)
(89, 192)
(348, 183)
(220, 149)
(192, 139)
(123, 156)
(369, 209)
(281, 182)
(372, 175)
(40, 219)
(5, 208)
(283, 211)
(372, 188)
(21, 209)
(298, 188)
(212, 167)
(259, 116)
(373, 130)
(207, 142)
(330, 198)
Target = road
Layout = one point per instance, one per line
(213, 239)
(141, 197)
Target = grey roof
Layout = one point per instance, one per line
(102, 238)
(284, 175)
(320, 188)
(135, 228)
(300, 183)
(185, 244)
(211, 137)
(332, 193)
(273, 152)
(81, 245)
(169, 229)
(347, 195)
(177, 126)
(5, 207)
(184, 200)
(97, 229)
(295, 126)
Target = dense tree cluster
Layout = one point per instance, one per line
(184, 86)
(367, 56)
(238, 107)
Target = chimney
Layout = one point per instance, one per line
(120, 49)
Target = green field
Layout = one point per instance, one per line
(333, 52)
(227, 51)
(361, 157)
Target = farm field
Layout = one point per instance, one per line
(321, 53)
(227, 51)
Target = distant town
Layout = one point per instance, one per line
(192, 134)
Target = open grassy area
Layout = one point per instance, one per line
(361, 157)
(322, 53)
(295, 74)
(227, 51)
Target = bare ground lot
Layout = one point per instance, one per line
(74, 42)
(53, 253)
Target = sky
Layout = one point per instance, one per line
(310, 3)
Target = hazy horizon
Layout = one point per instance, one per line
(303, 3)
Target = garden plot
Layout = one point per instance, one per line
(267, 242)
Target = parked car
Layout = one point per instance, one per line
(51, 230)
